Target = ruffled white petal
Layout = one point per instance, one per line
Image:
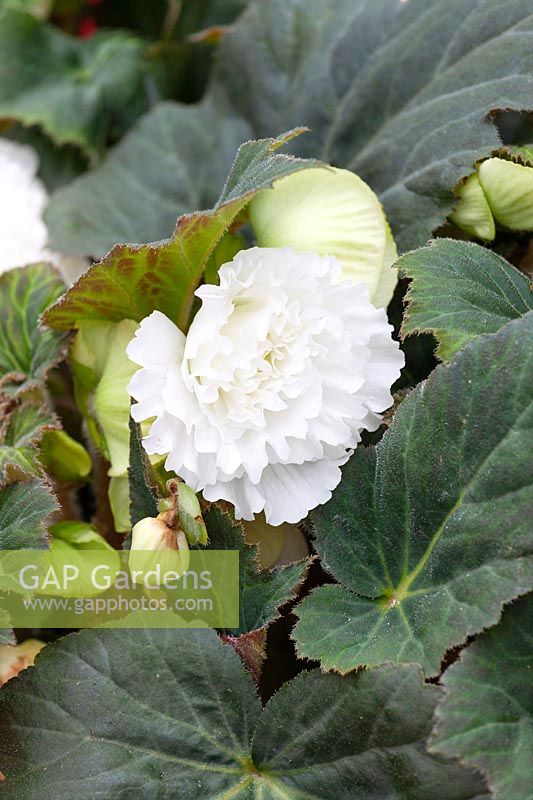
(266, 397)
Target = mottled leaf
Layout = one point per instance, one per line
(22, 426)
(460, 290)
(26, 351)
(132, 280)
(429, 532)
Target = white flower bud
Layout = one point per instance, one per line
(152, 534)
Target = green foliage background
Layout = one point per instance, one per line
(395, 663)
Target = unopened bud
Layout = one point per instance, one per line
(190, 515)
(501, 190)
(168, 546)
(153, 534)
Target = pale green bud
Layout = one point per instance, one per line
(330, 212)
(472, 213)
(500, 191)
(509, 191)
(190, 515)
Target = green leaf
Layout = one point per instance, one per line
(486, 716)
(132, 280)
(262, 592)
(411, 120)
(26, 351)
(168, 164)
(24, 508)
(23, 425)
(460, 290)
(80, 92)
(143, 500)
(173, 714)
(429, 532)
(64, 458)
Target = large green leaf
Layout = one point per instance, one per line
(401, 93)
(429, 532)
(173, 714)
(24, 509)
(173, 161)
(26, 351)
(79, 91)
(22, 426)
(398, 92)
(132, 280)
(460, 290)
(262, 592)
(486, 717)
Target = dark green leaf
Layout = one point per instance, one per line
(143, 501)
(261, 591)
(132, 280)
(173, 161)
(486, 717)
(430, 531)
(80, 92)
(173, 714)
(400, 93)
(24, 508)
(26, 351)
(460, 290)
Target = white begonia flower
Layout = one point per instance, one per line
(265, 398)
(23, 198)
(330, 212)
